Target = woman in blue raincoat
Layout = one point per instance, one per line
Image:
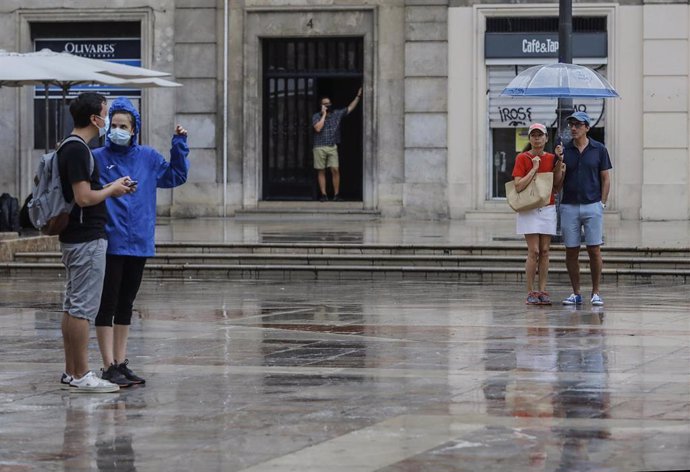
(130, 227)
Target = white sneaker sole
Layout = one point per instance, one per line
(76, 389)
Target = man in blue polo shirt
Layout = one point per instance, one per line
(585, 193)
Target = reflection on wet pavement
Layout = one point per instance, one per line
(356, 376)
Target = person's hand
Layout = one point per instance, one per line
(359, 93)
(559, 152)
(324, 109)
(119, 187)
(132, 184)
(535, 162)
(180, 131)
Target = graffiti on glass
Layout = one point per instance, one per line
(517, 116)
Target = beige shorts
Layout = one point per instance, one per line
(326, 156)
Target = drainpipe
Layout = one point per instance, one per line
(226, 13)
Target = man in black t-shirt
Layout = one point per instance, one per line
(83, 242)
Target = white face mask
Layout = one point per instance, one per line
(106, 125)
(119, 136)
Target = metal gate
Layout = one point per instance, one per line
(296, 72)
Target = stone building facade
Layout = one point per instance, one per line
(425, 141)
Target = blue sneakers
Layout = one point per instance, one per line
(573, 299)
(596, 300)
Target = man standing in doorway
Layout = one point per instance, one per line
(326, 138)
(585, 193)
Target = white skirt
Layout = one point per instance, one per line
(538, 221)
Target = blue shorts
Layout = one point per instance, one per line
(85, 267)
(589, 216)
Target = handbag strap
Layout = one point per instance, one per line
(531, 156)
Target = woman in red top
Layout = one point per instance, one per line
(538, 225)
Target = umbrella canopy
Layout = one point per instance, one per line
(560, 81)
(65, 71)
(15, 65)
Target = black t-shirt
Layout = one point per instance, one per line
(88, 223)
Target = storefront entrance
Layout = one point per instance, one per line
(297, 72)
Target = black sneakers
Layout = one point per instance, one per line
(113, 374)
(128, 374)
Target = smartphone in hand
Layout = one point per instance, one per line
(132, 183)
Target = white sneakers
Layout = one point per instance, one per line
(91, 383)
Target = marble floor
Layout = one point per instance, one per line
(356, 376)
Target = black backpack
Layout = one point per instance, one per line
(9, 213)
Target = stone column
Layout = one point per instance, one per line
(197, 102)
(665, 153)
(426, 93)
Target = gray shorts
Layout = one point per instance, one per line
(574, 217)
(85, 265)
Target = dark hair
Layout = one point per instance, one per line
(85, 105)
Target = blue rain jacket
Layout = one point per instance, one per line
(132, 217)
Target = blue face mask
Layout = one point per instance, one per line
(120, 137)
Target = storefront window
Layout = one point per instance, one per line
(110, 41)
(512, 45)
(510, 117)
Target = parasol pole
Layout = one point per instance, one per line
(65, 87)
(565, 105)
(46, 85)
(565, 56)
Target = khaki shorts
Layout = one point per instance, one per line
(326, 156)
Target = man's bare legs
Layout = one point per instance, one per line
(67, 344)
(572, 263)
(335, 174)
(75, 337)
(595, 266)
(321, 176)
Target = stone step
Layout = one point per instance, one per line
(414, 260)
(355, 272)
(514, 248)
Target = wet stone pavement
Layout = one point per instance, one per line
(356, 376)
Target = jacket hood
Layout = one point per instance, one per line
(123, 104)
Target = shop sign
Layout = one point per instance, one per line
(541, 45)
(120, 50)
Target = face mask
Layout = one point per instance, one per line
(106, 125)
(120, 137)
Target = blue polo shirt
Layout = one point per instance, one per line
(582, 184)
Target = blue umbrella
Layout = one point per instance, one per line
(559, 80)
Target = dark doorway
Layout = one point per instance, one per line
(297, 73)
